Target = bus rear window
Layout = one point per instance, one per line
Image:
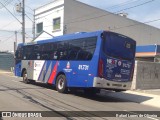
(119, 46)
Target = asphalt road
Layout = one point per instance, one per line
(17, 96)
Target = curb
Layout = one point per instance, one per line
(4, 72)
(7, 72)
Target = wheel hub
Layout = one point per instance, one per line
(61, 83)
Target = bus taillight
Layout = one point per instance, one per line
(100, 68)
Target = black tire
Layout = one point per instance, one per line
(61, 84)
(25, 79)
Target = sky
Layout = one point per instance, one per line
(139, 10)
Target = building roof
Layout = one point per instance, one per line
(47, 36)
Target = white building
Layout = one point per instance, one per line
(69, 16)
(50, 18)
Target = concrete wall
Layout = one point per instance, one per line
(6, 61)
(80, 17)
(146, 75)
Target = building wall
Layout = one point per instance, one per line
(81, 17)
(47, 13)
(146, 75)
(6, 61)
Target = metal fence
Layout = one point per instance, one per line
(6, 61)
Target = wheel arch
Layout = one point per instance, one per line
(60, 73)
(64, 89)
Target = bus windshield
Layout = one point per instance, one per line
(119, 46)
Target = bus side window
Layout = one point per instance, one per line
(90, 47)
(54, 55)
(89, 56)
(36, 54)
(74, 48)
(43, 51)
(81, 55)
(62, 49)
(18, 54)
(45, 57)
(72, 55)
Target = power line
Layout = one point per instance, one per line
(29, 18)
(29, 13)
(9, 31)
(5, 3)
(136, 24)
(6, 30)
(123, 4)
(136, 6)
(7, 39)
(29, 8)
(98, 13)
(4, 26)
(110, 13)
(10, 12)
(150, 21)
(116, 6)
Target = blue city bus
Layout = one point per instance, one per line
(87, 60)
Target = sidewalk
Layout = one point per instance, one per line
(151, 91)
(2, 71)
(6, 72)
(145, 97)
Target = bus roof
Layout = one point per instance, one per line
(64, 37)
(67, 37)
(71, 36)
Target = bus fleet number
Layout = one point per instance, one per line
(83, 67)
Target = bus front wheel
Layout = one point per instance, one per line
(61, 84)
(25, 79)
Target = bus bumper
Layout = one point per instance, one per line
(112, 85)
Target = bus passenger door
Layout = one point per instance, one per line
(39, 71)
(30, 68)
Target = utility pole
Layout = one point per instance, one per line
(23, 21)
(15, 43)
(34, 26)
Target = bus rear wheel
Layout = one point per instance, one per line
(25, 79)
(61, 84)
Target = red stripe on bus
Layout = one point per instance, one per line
(53, 74)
